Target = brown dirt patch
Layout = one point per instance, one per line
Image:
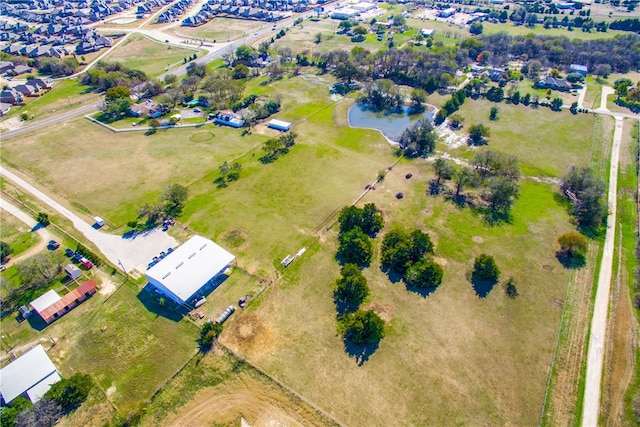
(477, 239)
(260, 404)
(383, 309)
(248, 334)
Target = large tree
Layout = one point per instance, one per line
(402, 248)
(369, 219)
(478, 134)
(352, 286)
(485, 268)
(442, 169)
(425, 273)
(355, 247)
(362, 327)
(70, 392)
(501, 192)
(419, 140)
(5, 251)
(40, 269)
(174, 197)
(586, 193)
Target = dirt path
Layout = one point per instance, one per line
(43, 233)
(595, 355)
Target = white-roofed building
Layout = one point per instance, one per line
(32, 375)
(45, 300)
(183, 273)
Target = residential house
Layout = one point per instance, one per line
(148, 108)
(553, 83)
(11, 96)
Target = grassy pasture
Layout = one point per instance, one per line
(523, 30)
(221, 29)
(538, 133)
(65, 95)
(146, 55)
(449, 358)
(16, 233)
(59, 156)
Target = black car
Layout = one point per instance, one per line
(53, 245)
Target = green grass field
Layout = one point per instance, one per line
(16, 234)
(539, 132)
(66, 95)
(149, 56)
(221, 29)
(523, 30)
(124, 358)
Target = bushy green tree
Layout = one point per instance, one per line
(401, 249)
(425, 273)
(355, 247)
(208, 333)
(419, 140)
(485, 268)
(362, 327)
(70, 392)
(352, 285)
(586, 193)
(369, 219)
(5, 251)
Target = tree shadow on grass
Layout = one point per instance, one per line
(494, 218)
(482, 287)
(342, 261)
(422, 291)
(360, 352)
(394, 276)
(344, 307)
(572, 262)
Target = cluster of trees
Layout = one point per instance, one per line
(117, 102)
(586, 194)
(357, 326)
(62, 398)
(171, 204)
(275, 147)
(632, 25)
(105, 75)
(382, 95)
(618, 53)
(627, 95)
(495, 173)
(36, 272)
(450, 106)
(228, 173)
(410, 254)
(357, 228)
(419, 139)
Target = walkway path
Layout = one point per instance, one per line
(42, 232)
(595, 356)
(129, 253)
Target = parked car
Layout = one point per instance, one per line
(86, 263)
(53, 245)
(68, 252)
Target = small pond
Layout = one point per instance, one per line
(392, 125)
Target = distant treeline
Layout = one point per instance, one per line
(626, 25)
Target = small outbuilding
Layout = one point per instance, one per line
(30, 375)
(279, 125)
(72, 271)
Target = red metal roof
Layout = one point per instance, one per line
(88, 286)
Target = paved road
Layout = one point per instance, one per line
(134, 253)
(43, 233)
(595, 355)
(49, 121)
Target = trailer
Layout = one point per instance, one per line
(225, 314)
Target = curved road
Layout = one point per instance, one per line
(130, 253)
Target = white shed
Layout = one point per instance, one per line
(279, 125)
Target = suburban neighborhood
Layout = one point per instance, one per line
(309, 212)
